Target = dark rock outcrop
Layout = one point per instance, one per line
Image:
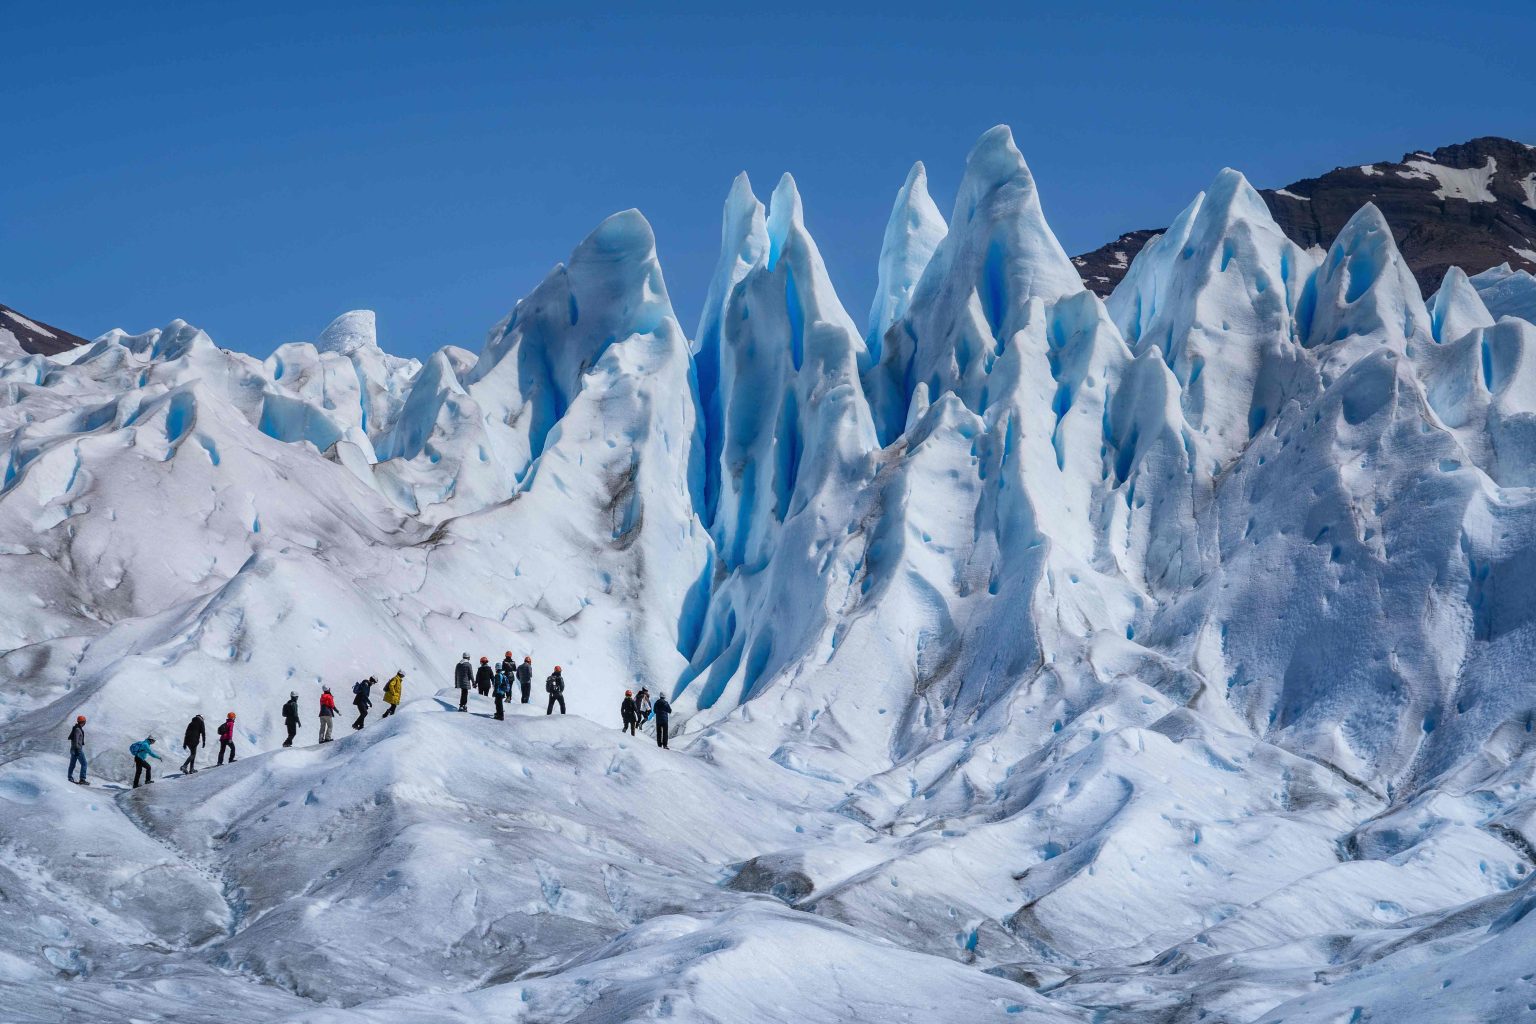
(34, 336)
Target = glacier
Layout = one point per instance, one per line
(1035, 656)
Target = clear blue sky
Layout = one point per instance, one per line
(257, 169)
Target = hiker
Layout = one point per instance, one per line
(392, 693)
(502, 691)
(464, 678)
(362, 699)
(525, 676)
(327, 714)
(508, 667)
(142, 751)
(77, 750)
(555, 687)
(291, 717)
(628, 713)
(663, 714)
(195, 736)
(227, 738)
(643, 705)
(484, 677)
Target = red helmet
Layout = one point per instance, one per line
(485, 661)
(230, 715)
(79, 718)
(629, 693)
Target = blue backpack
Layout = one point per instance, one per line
(140, 750)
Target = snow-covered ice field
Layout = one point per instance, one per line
(1035, 656)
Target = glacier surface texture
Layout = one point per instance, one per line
(1035, 656)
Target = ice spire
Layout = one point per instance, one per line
(914, 231)
(1363, 296)
(1217, 295)
(1456, 308)
(999, 254)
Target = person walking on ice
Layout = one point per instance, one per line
(643, 705)
(464, 678)
(142, 751)
(362, 699)
(525, 676)
(502, 690)
(327, 714)
(195, 736)
(77, 751)
(484, 677)
(392, 693)
(227, 738)
(663, 709)
(555, 687)
(628, 713)
(291, 717)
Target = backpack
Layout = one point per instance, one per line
(358, 688)
(140, 750)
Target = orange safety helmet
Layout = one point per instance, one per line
(230, 715)
(484, 660)
(557, 668)
(79, 718)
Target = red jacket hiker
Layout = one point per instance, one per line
(227, 739)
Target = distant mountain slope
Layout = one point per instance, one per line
(33, 336)
(1471, 205)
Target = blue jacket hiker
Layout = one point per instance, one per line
(142, 751)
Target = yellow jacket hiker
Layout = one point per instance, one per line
(392, 692)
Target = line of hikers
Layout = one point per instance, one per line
(498, 682)
(195, 736)
(635, 711)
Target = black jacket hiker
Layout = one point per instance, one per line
(362, 699)
(484, 679)
(291, 718)
(525, 679)
(663, 710)
(195, 736)
(555, 687)
(464, 678)
(629, 715)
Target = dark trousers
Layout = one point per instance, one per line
(628, 726)
(76, 757)
(362, 713)
(141, 767)
(389, 711)
(527, 686)
(227, 745)
(463, 698)
(293, 727)
(190, 764)
(661, 732)
(552, 699)
(499, 713)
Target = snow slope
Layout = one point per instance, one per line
(1034, 656)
